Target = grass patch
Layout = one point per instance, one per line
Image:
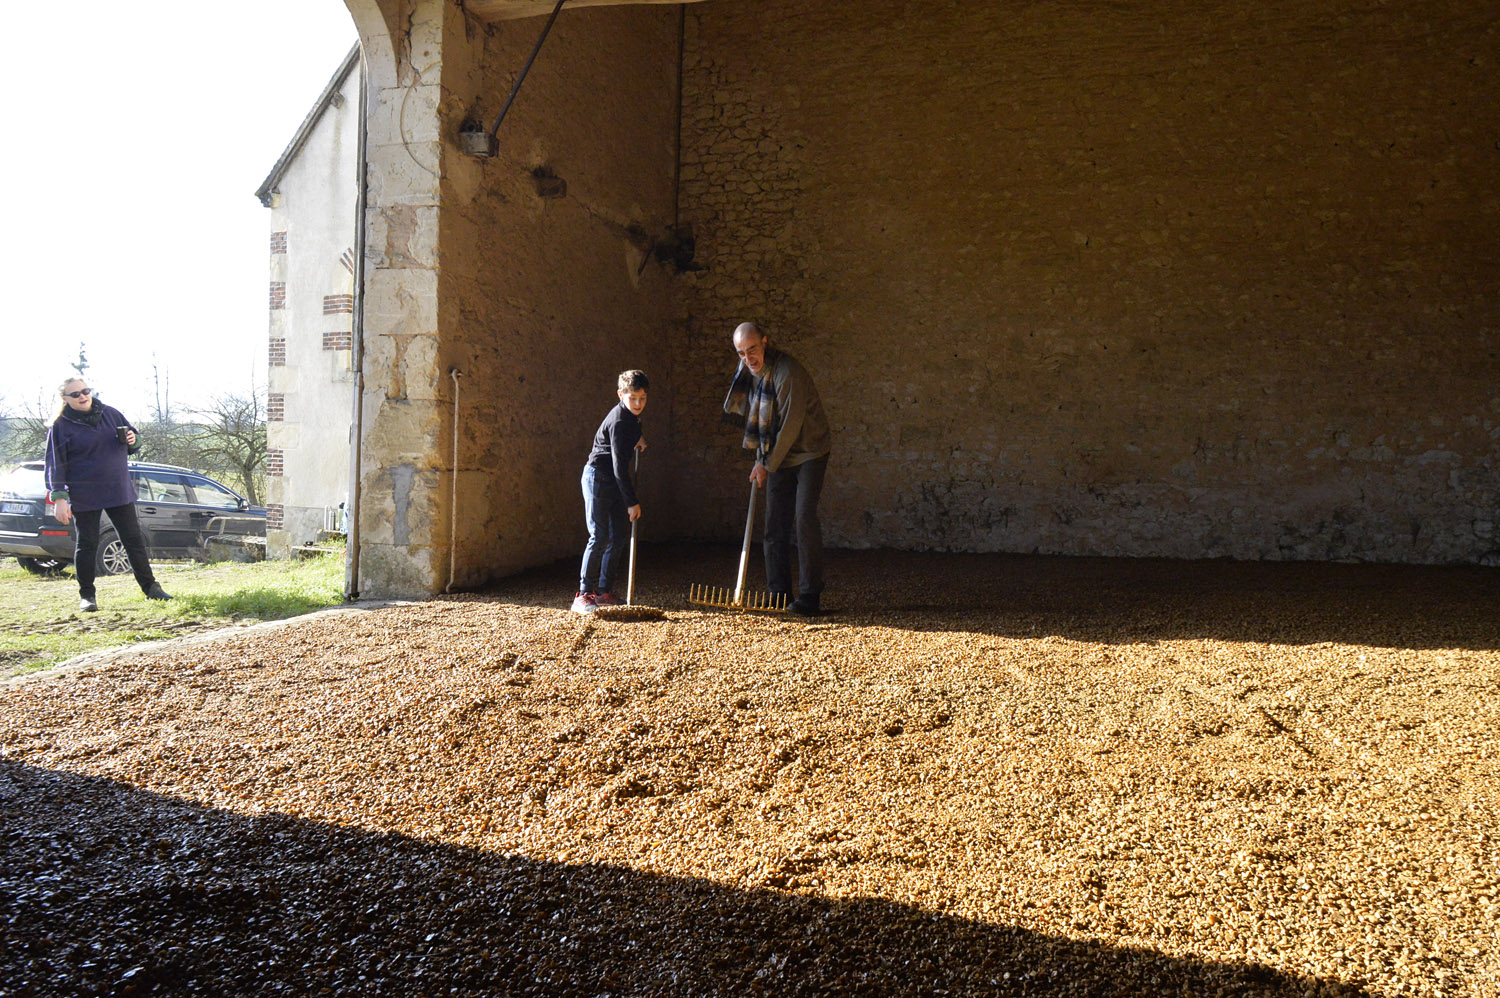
(43, 625)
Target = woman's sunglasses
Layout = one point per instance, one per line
(80, 393)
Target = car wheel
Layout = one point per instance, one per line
(42, 566)
(112, 558)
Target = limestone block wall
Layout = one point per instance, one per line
(400, 534)
(547, 287)
(502, 296)
(1160, 279)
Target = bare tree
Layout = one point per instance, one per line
(233, 439)
(25, 437)
(168, 443)
(8, 423)
(163, 380)
(164, 438)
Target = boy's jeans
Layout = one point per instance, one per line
(609, 530)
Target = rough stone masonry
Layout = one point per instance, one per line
(1166, 279)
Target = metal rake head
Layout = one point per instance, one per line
(729, 599)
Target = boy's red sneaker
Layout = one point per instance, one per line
(584, 603)
(608, 599)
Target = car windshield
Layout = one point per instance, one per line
(24, 482)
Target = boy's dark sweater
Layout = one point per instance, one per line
(614, 443)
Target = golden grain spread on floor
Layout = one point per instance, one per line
(979, 776)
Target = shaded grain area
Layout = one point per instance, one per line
(979, 776)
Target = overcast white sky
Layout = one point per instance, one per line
(135, 136)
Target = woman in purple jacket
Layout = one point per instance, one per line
(88, 473)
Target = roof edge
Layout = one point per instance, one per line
(268, 186)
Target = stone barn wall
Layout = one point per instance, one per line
(546, 288)
(522, 272)
(1159, 279)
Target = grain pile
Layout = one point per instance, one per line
(983, 776)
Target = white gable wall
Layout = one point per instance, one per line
(311, 389)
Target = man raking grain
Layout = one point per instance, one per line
(776, 402)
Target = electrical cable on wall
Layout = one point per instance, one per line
(416, 78)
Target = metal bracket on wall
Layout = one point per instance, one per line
(477, 143)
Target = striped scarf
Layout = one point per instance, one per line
(751, 403)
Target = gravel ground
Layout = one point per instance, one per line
(981, 775)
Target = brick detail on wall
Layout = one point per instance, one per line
(278, 242)
(276, 406)
(275, 516)
(274, 462)
(347, 260)
(278, 295)
(341, 339)
(335, 304)
(277, 356)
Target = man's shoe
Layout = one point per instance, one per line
(808, 606)
(87, 605)
(584, 603)
(157, 592)
(607, 599)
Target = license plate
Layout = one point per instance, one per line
(16, 507)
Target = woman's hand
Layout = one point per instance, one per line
(129, 438)
(758, 474)
(62, 510)
(635, 512)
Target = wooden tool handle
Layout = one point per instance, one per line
(739, 582)
(630, 579)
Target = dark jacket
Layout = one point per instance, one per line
(614, 445)
(780, 411)
(86, 460)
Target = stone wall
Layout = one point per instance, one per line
(547, 288)
(502, 296)
(397, 546)
(1163, 279)
(1153, 280)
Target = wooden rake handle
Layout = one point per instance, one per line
(630, 581)
(739, 582)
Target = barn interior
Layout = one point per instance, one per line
(1150, 280)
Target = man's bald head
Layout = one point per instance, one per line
(750, 343)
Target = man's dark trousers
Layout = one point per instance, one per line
(792, 503)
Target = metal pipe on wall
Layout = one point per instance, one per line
(516, 87)
(455, 374)
(357, 353)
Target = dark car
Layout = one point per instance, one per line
(180, 512)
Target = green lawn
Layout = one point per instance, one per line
(41, 625)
